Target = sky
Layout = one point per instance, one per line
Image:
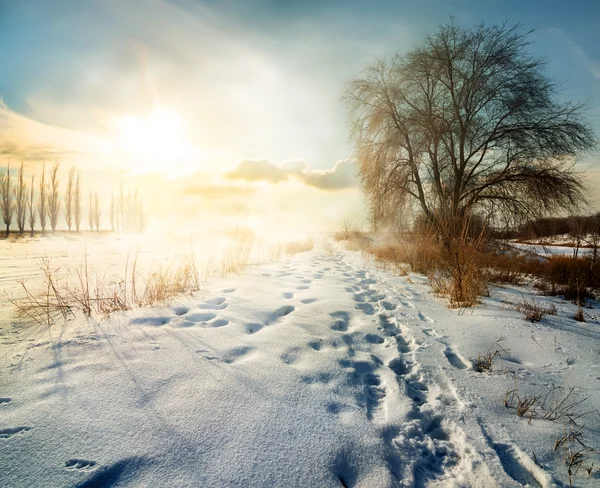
(198, 99)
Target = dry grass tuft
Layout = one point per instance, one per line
(533, 310)
(296, 247)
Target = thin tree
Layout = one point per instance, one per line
(91, 212)
(21, 201)
(77, 203)
(112, 211)
(31, 206)
(53, 197)
(468, 122)
(6, 199)
(69, 197)
(42, 208)
(96, 213)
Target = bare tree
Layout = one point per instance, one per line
(31, 206)
(91, 212)
(53, 197)
(21, 201)
(96, 213)
(42, 207)
(112, 211)
(6, 199)
(69, 198)
(468, 122)
(77, 203)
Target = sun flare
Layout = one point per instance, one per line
(155, 142)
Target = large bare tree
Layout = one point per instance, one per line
(7, 205)
(468, 122)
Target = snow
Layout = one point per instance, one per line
(551, 250)
(319, 370)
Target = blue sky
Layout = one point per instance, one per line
(255, 79)
(81, 53)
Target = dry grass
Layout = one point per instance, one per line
(557, 404)
(579, 315)
(295, 247)
(485, 362)
(533, 310)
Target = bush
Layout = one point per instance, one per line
(533, 310)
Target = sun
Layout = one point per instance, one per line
(155, 142)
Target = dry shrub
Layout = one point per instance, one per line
(533, 310)
(419, 251)
(460, 275)
(44, 308)
(450, 254)
(235, 259)
(391, 257)
(350, 231)
(504, 268)
(484, 362)
(178, 278)
(295, 247)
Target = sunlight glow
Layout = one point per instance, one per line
(156, 143)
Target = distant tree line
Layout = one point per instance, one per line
(18, 203)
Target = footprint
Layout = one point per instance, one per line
(6, 433)
(303, 287)
(388, 305)
(374, 339)
(454, 359)
(152, 321)
(366, 308)
(316, 345)
(402, 345)
(214, 304)
(180, 310)
(228, 290)
(283, 311)
(425, 318)
(201, 316)
(398, 366)
(236, 354)
(291, 355)
(309, 300)
(254, 327)
(287, 294)
(80, 464)
(4, 401)
(340, 326)
(219, 323)
(510, 458)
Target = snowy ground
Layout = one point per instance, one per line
(317, 371)
(551, 250)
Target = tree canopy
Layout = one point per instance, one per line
(467, 122)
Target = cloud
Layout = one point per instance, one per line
(592, 65)
(24, 139)
(340, 177)
(257, 170)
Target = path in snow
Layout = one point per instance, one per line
(314, 372)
